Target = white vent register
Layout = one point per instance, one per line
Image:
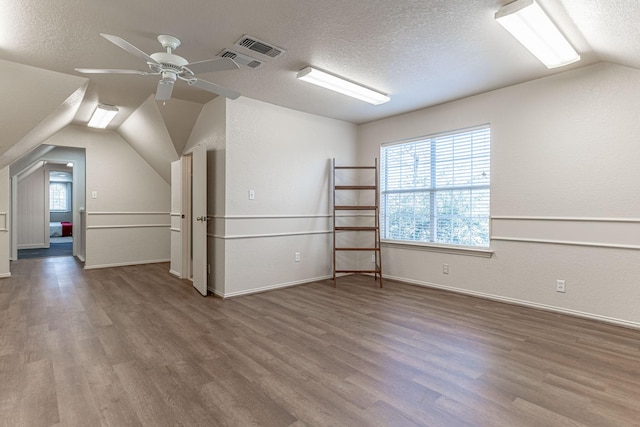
(263, 48)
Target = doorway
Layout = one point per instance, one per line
(47, 203)
(55, 182)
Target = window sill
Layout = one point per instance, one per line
(434, 247)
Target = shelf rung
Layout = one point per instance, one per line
(356, 228)
(355, 208)
(358, 271)
(357, 249)
(356, 187)
(354, 167)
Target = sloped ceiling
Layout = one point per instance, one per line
(147, 134)
(422, 53)
(179, 117)
(37, 103)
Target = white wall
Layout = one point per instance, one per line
(128, 221)
(564, 195)
(5, 238)
(283, 156)
(31, 210)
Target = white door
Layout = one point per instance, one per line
(177, 267)
(199, 217)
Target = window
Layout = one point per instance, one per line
(60, 196)
(436, 189)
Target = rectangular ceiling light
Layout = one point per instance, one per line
(103, 116)
(342, 86)
(528, 23)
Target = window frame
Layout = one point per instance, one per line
(67, 186)
(431, 189)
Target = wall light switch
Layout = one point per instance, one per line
(94, 194)
(252, 195)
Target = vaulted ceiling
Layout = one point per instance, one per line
(420, 52)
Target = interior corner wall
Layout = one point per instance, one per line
(5, 238)
(128, 220)
(284, 157)
(564, 194)
(210, 130)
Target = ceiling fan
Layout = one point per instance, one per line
(171, 67)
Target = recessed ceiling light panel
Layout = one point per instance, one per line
(340, 85)
(102, 116)
(531, 26)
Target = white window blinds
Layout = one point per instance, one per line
(437, 189)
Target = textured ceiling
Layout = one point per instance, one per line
(420, 52)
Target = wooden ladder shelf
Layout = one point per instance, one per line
(362, 230)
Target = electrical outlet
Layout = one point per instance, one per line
(373, 258)
(296, 257)
(252, 195)
(445, 268)
(560, 286)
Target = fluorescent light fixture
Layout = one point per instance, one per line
(102, 116)
(528, 23)
(342, 86)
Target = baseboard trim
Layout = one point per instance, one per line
(524, 303)
(268, 288)
(33, 246)
(125, 264)
(5, 275)
(175, 274)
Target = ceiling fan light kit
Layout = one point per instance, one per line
(340, 85)
(171, 67)
(532, 27)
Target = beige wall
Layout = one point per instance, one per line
(283, 156)
(5, 219)
(31, 210)
(564, 195)
(128, 221)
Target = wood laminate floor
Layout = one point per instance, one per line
(133, 346)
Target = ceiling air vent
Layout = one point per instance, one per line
(242, 60)
(255, 45)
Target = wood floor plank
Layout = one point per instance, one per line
(38, 402)
(109, 396)
(143, 396)
(75, 402)
(134, 346)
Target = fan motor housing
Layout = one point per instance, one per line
(170, 60)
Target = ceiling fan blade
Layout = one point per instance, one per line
(123, 44)
(164, 90)
(110, 71)
(210, 65)
(212, 87)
